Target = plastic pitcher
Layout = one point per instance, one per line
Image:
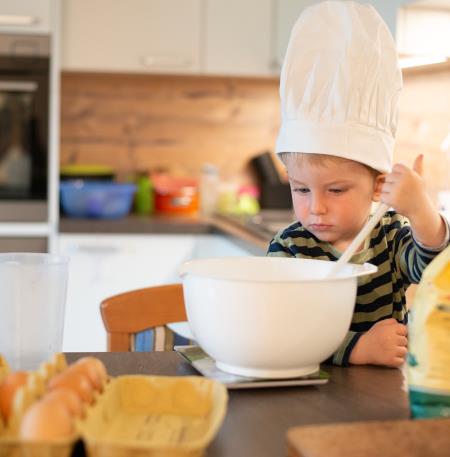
(33, 291)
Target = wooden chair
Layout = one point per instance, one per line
(131, 312)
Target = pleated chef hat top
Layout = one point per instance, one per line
(339, 85)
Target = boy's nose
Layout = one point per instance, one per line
(317, 205)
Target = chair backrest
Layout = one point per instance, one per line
(131, 312)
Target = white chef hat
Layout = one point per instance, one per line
(339, 85)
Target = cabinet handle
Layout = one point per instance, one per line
(16, 19)
(18, 86)
(166, 61)
(97, 249)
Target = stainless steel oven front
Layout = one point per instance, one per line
(24, 125)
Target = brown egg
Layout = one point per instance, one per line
(67, 397)
(74, 381)
(94, 364)
(46, 419)
(88, 369)
(8, 389)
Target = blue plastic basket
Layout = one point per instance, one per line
(105, 200)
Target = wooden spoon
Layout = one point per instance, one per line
(353, 246)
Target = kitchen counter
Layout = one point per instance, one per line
(137, 224)
(253, 233)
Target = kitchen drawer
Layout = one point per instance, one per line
(23, 211)
(23, 244)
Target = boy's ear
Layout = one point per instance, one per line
(379, 180)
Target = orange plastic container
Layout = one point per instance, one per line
(176, 195)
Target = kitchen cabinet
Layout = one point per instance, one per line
(175, 36)
(25, 16)
(234, 37)
(168, 36)
(238, 37)
(23, 244)
(131, 36)
(103, 265)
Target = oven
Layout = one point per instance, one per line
(24, 127)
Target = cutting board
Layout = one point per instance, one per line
(403, 438)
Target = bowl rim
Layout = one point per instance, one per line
(187, 269)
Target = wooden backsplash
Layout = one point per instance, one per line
(424, 124)
(137, 122)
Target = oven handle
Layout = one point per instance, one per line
(18, 86)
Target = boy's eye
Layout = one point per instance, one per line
(337, 191)
(301, 190)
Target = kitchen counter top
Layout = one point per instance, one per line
(254, 232)
(137, 224)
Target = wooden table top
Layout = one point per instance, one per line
(257, 419)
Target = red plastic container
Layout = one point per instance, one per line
(176, 195)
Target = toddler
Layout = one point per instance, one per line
(339, 87)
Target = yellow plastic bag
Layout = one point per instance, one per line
(429, 342)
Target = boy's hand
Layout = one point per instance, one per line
(384, 344)
(404, 190)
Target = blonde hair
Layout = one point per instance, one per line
(320, 160)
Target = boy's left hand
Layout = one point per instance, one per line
(404, 190)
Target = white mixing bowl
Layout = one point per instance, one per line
(269, 317)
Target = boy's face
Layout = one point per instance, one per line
(332, 199)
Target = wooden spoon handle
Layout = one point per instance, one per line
(353, 246)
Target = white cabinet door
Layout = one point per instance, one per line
(103, 265)
(208, 246)
(25, 16)
(238, 37)
(131, 36)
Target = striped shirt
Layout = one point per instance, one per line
(391, 247)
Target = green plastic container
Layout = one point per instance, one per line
(144, 197)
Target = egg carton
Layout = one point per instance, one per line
(155, 416)
(35, 387)
(135, 415)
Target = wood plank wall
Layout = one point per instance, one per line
(135, 122)
(138, 122)
(424, 123)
